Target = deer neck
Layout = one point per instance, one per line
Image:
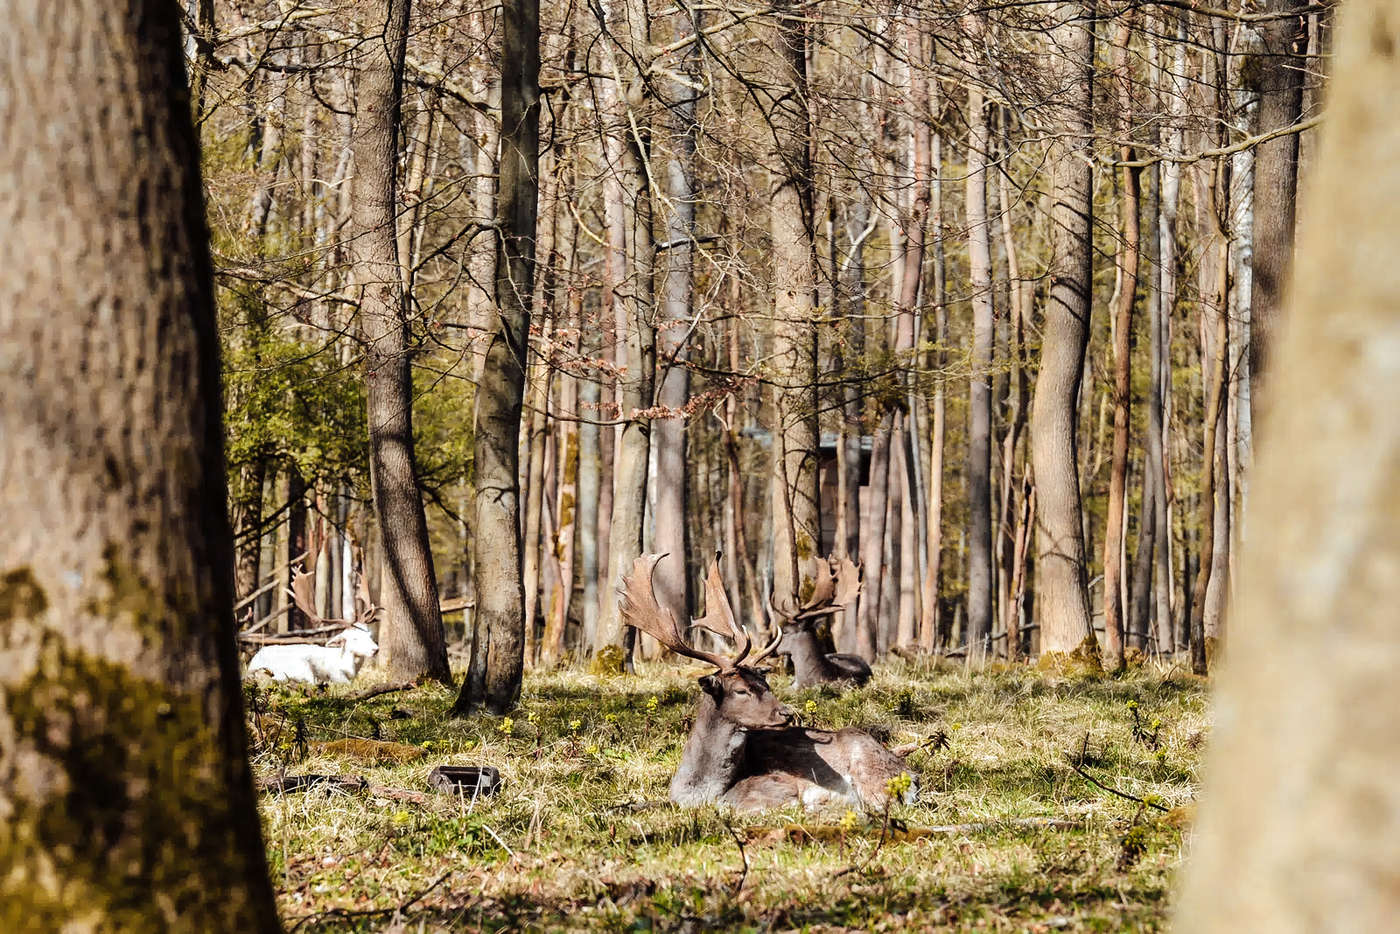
(807, 656)
(714, 753)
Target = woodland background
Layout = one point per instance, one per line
(802, 275)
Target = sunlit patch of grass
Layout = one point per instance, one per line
(580, 837)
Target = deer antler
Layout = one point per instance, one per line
(835, 584)
(303, 589)
(719, 615)
(641, 611)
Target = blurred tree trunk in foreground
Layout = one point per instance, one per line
(1300, 825)
(124, 782)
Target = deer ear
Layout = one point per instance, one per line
(711, 686)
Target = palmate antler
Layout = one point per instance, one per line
(835, 586)
(641, 610)
(303, 589)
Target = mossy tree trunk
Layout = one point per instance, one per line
(1300, 795)
(411, 634)
(125, 791)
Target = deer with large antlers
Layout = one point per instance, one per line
(835, 586)
(742, 752)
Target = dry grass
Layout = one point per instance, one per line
(564, 846)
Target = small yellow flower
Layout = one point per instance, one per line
(531, 717)
(809, 707)
(401, 817)
(652, 702)
(507, 726)
(574, 725)
(1132, 705)
(611, 718)
(592, 749)
(955, 727)
(1156, 722)
(1161, 755)
(848, 822)
(897, 786)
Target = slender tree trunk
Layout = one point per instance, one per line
(532, 465)
(500, 596)
(671, 517)
(1300, 796)
(1280, 71)
(1128, 257)
(632, 219)
(851, 284)
(124, 777)
(568, 445)
(930, 628)
(864, 637)
(1159, 413)
(590, 493)
(297, 556)
(979, 431)
(1065, 626)
(411, 636)
(794, 498)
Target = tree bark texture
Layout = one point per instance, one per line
(1115, 533)
(670, 518)
(411, 638)
(794, 498)
(979, 428)
(630, 217)
(124, 783)
(1300, 797)
(500, 592)
(1279, 71)
(1064, 599)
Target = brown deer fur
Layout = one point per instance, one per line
(741, 752)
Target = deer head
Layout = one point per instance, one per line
(740, 694)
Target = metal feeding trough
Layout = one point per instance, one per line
(472, 781)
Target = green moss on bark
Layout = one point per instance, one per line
(120, 806)
(21, 597)
(1083, 662)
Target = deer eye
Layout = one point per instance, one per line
(741, 693)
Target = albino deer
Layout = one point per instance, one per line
(341, 657)
(835, 586)
(741, 751)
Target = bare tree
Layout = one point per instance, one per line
(124, 778)
(1300, 797)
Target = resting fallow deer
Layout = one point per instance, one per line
(741, 751)
(835, 586)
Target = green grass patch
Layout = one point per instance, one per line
(1006, 836)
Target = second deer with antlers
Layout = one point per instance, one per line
(742, 751)
(835, 587)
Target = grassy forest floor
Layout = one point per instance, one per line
(1007, 836)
